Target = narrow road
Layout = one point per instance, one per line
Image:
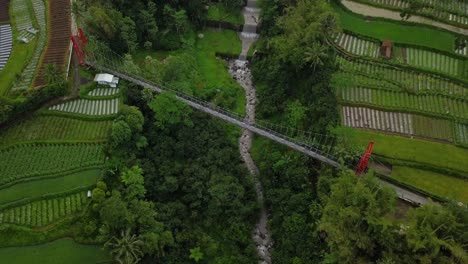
(368, 10)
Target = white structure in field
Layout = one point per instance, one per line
(107, 79)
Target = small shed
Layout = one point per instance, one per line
(386, 49)
(107, 79)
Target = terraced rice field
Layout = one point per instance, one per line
(357, 45)
(59, 38)
(55, 128)
(361, 117)
(397, 122)
(33, 190)
(453, 11)
(417, 82)
(423, 103)
(28, 74)
(103, 92)
(89, 107)
(6, 44)
(434, 61)
(46, 211)
(32, 160)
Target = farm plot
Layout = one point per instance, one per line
(39, 189)
(357, 45)
(57, 252)
(423, 103)
(55, 128)
(361, 117)
(461, 132)
(89, 107)
(28, 74)
(103, 92)
(6, 44)
(406, 79)
(451, 11)
(24, 161)
(46, 211)
(4, 7)
(394, 122)
(59, 38)
(434, 61)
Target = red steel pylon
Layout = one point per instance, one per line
(79, 43)
(364, 161)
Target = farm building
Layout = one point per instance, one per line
(386, 49)
(107, 79)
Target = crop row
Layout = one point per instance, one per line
(402, 123)
(44, 212)
(55, 128)
(59, 38)
(357, 45)
(89, 107)
(103, 92)
(6, 44)
(461, 133)
(38, 159)
(21, 14)
(424, 103)
(28, 73)
(402, 77)
(434, 61)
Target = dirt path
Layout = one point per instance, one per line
(367, 10)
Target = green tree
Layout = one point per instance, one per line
(296, 114)
(114, 213)
(54, 75)
(134, 183)
(126, 249)
(354, 220)
(169, 111)
(121, 133)
(196, 254)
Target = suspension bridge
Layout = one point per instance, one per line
(318, 146)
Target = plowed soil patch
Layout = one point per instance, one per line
(59, 38)
(4, 17)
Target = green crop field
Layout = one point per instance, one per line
(55, 128)
(431, 182)
(46, 211)
(414, 150)
(35, 189)
(392, 100)
(405, 79)
(407, 34)
(56, 252)
(39, 159)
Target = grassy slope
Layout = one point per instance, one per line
(217, 12)
(49, 186)
(409, 34)
(415, 150)
(213, 69)
(439, 184)
(57, 252)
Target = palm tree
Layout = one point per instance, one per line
(126, 249)
(315, 55)
(53, 74)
